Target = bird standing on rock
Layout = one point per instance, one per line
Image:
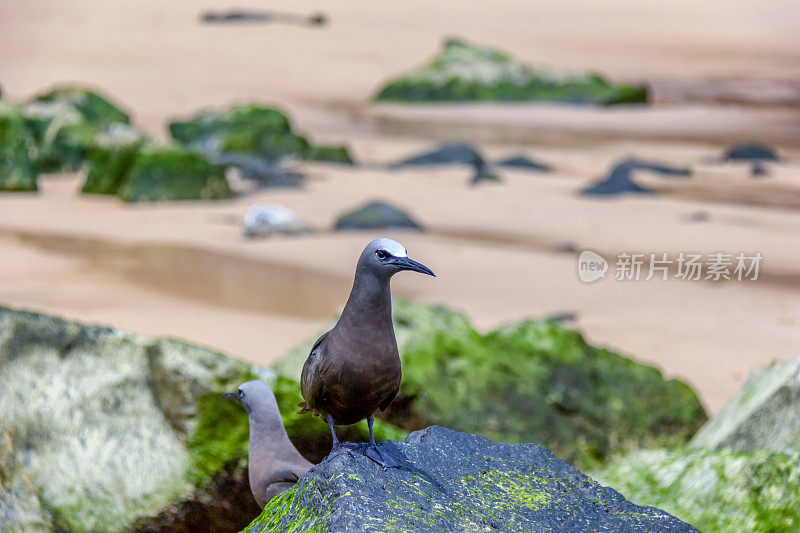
(354, 369)
(274, 465)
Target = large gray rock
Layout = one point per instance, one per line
(99, 429)
(764, 414)
(450, 481)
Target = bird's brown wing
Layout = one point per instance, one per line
(388, 401)
(310, 387)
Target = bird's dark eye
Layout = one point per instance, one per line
(382, 254)
(241, 393)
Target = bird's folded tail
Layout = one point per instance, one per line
(304, 408)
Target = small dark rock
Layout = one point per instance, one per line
(483, 174)
(699, 216)
(620, 180)
(446, 154)
(376, 215)
(750, 152)
(523, 163)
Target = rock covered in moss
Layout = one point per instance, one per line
(100, 430)
(376, 215)
(534, 381)
(262, 133)
(172, 172)
(65, 122)
(111, 159)
(17, 151)
(716, 490)
(450, 481)
(463, 72)
(765, 413)
(99, 421)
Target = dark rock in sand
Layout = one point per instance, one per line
(750, 152)
(376, 215)
(483, 174)
(454, 482)
(252, 15)
(620, 180)
(17, 151)
(523, 163)
(446, 154)
(464, 72)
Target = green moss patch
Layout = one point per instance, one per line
(172, 172)
(65, 122)
(716, 490)
(533, 381)
(464, 72)
(17, 151)
(260, 133)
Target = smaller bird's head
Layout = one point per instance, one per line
(255, 396)
(387, 257)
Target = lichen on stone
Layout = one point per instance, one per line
(723, 490)
(465, 72)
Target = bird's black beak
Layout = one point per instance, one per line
(404, 263)
(230, 396)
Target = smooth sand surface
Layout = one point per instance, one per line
(501, 252)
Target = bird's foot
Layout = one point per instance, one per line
(342, 447)
(381, 457)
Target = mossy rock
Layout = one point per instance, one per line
(102, 430)
(533, 381)
(173, 172)
(252, 130)
(111, 159)
(17, 151)
(328, 154)
(719, 491)
(465, 72)
(65, 122)
(454, 482)
(765, 413)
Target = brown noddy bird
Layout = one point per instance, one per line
(274, 465)
(354, 369)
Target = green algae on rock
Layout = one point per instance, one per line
(534, 381)
(65, 122)
(17, 151)
(111, 159)
(86, 407)
(172, 172)
(452, 481)
(106, 431)
(465, 72)
(252, 130)
(719, 491)
(765, 413)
